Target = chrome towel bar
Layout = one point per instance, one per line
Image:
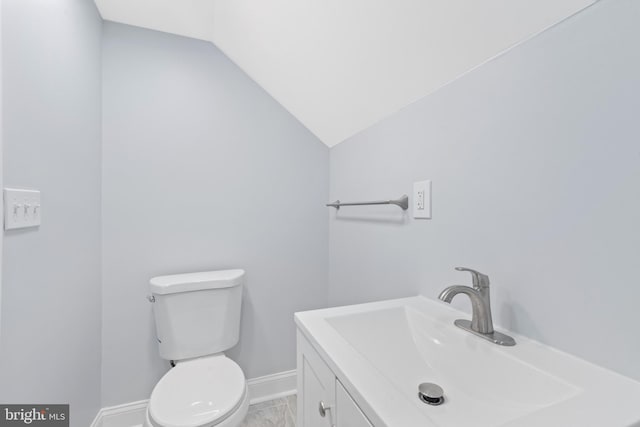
(402, 202)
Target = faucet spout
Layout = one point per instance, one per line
(481, 320)
(448, 293)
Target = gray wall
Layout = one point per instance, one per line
(203, 170)
(50, 338)
(534, 159)
(1, 174)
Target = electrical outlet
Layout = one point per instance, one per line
(422, 200)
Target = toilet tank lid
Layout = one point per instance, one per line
(188, 282)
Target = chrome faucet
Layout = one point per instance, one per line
(481, 323)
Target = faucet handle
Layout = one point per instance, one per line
(480, 281)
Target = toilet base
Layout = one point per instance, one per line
(232, 420)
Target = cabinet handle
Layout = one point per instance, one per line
(323, 409)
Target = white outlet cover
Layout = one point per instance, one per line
(22, 208)
(422, 199)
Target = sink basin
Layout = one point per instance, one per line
(483, 386)
(382, 351)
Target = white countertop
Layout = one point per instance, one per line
(382, 351)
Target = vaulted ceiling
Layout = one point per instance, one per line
(340, 66)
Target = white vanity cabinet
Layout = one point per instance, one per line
(322, 400)
(348, 414)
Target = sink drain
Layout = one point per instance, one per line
(431, 394)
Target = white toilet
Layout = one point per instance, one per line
(197, 318)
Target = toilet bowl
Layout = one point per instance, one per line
(205, 392)
(198, 318)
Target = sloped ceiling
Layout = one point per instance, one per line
(189, 18)
(340, 66)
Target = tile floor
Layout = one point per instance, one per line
(273, 413)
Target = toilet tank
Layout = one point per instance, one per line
(197, 314)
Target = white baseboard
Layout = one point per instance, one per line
(260, 390)
(272, 386)
(125, 415)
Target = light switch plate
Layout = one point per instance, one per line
(22, 208)
(422, 199)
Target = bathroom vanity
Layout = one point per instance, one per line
(362, 365)
(320, 393)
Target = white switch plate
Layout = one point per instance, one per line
(22, 208)
(422, 199)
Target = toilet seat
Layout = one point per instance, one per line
(201, 392)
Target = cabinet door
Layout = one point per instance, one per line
(348, 414)
(316, 387)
